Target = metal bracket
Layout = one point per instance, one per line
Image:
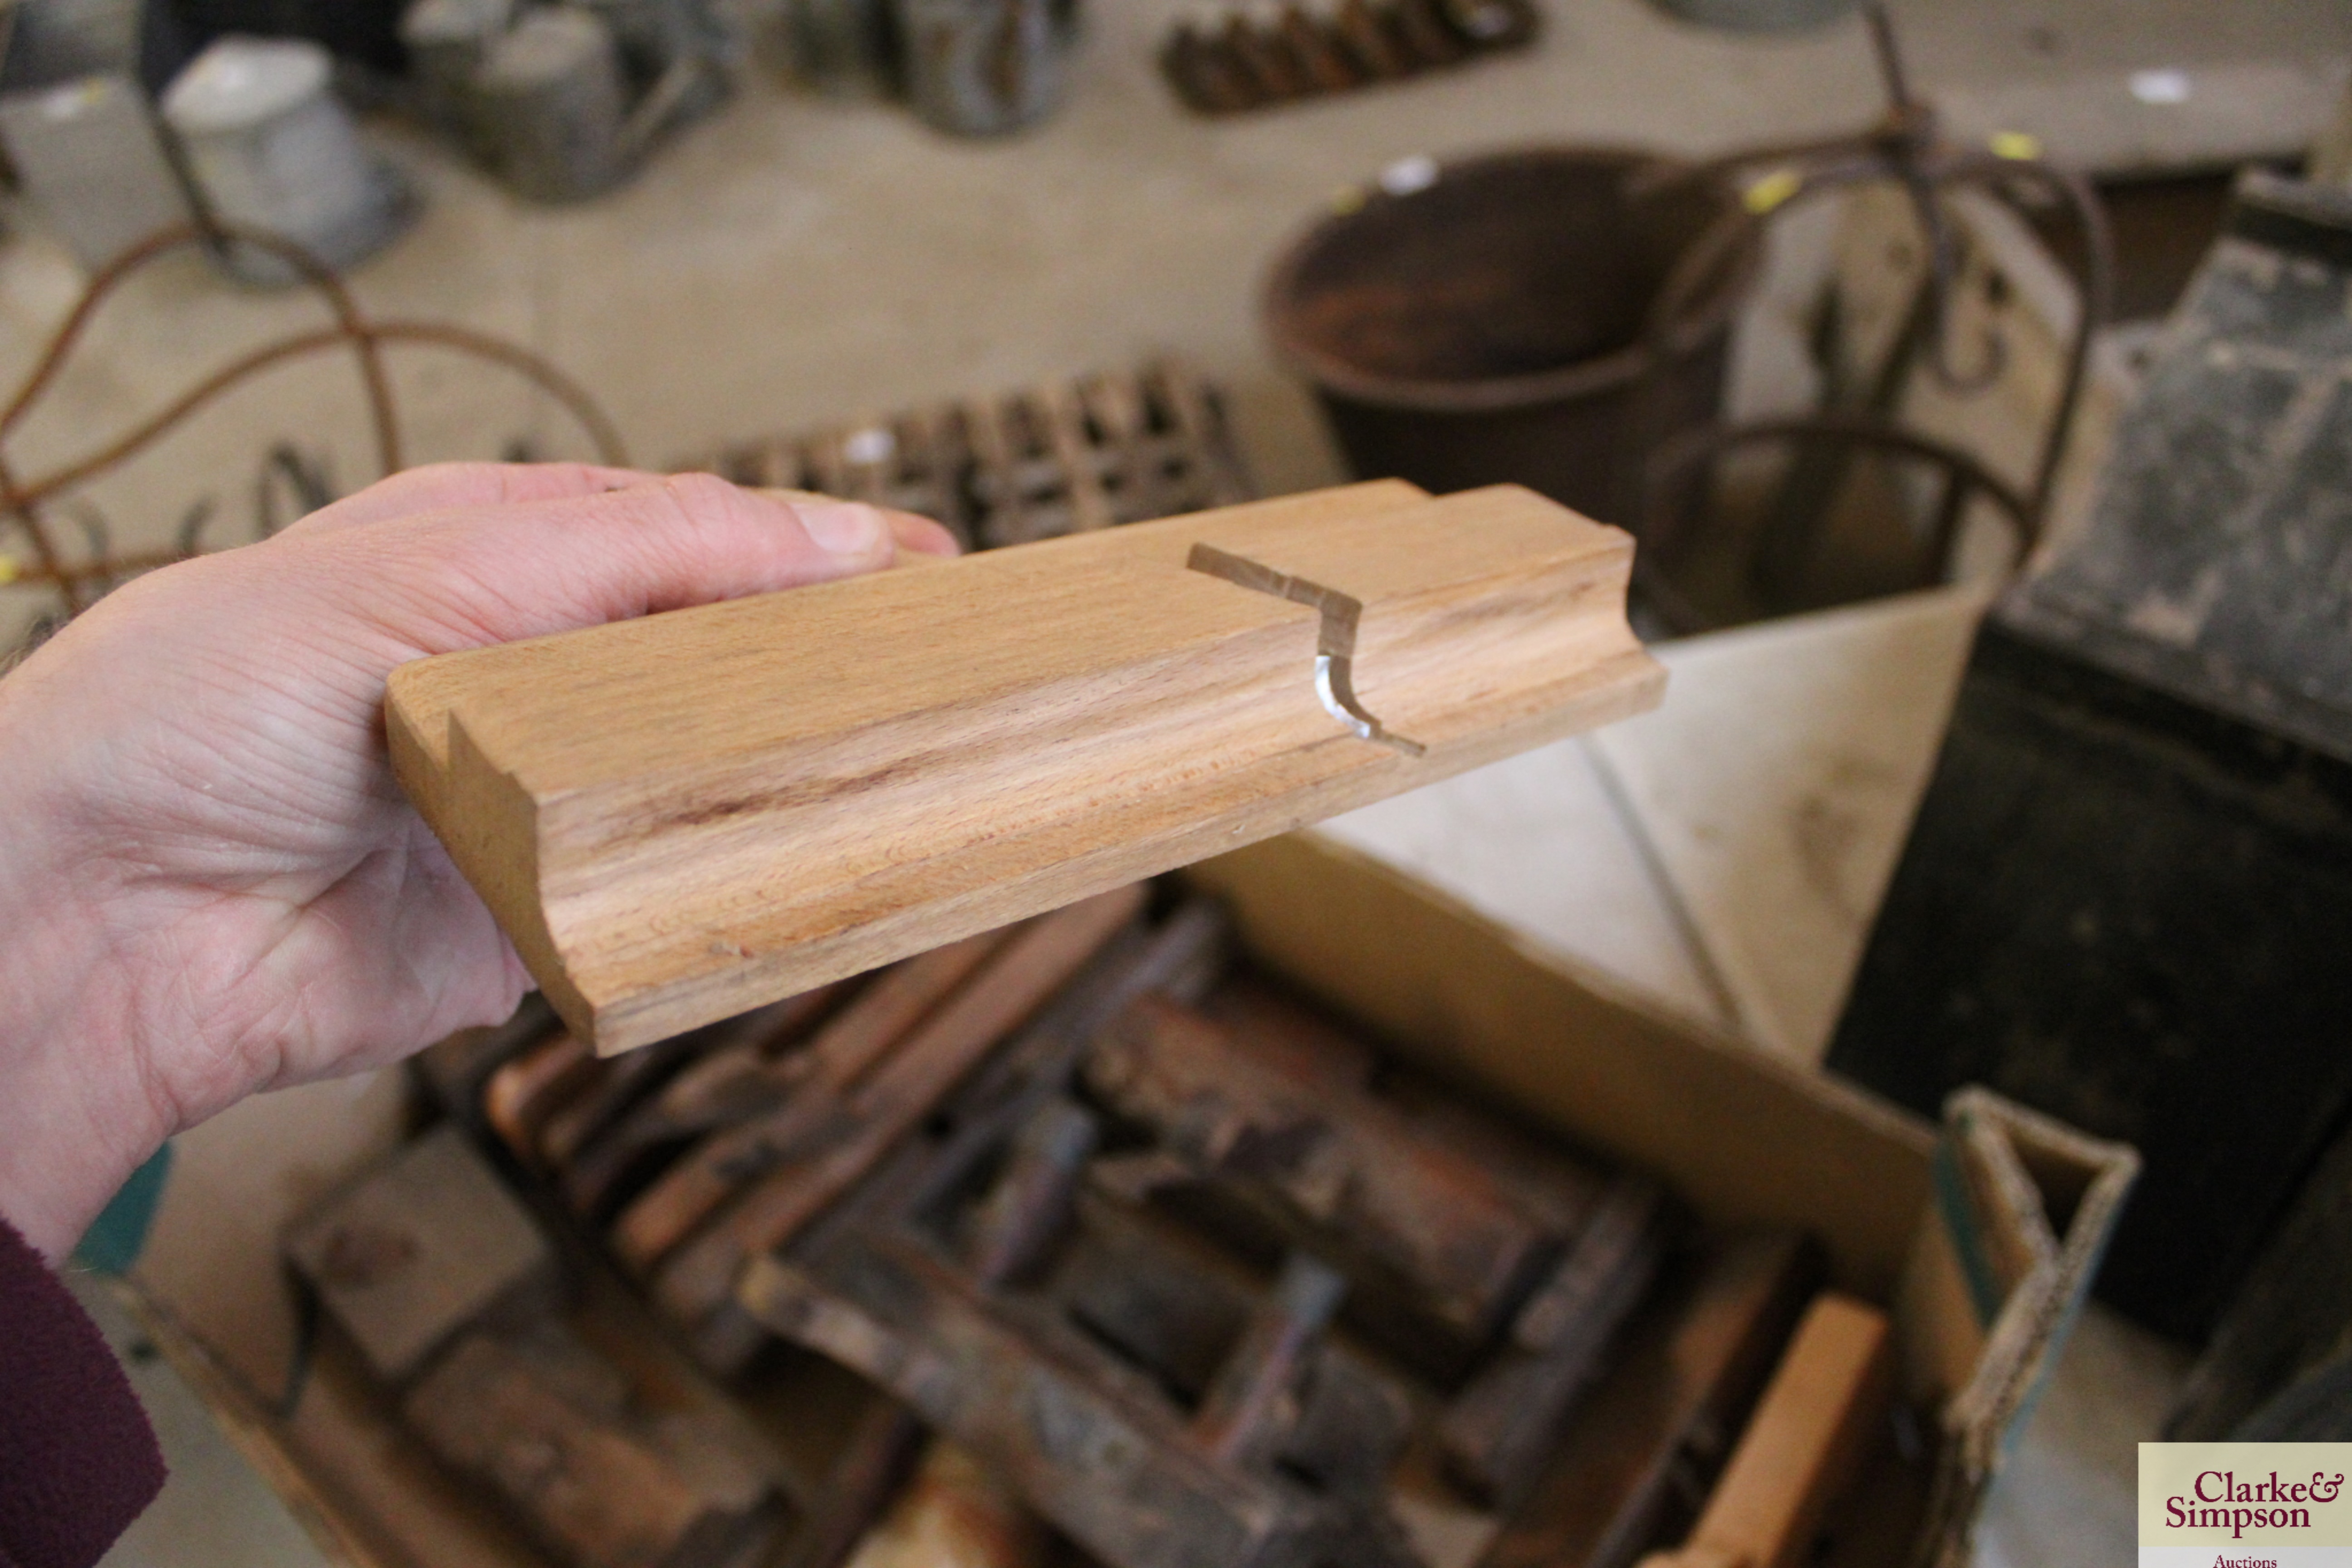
(1335, 643)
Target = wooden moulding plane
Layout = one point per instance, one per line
(679, 818)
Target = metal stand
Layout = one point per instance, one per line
(1670, 497)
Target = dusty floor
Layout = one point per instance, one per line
(797, 261)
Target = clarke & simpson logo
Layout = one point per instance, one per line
(2244, 1505)
(2217, 1501)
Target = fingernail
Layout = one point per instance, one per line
(848, 529)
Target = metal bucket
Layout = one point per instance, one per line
(272, 149)
(986, 68)
(1480, 321)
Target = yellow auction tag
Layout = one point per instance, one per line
(2016, 145)
(9, 570)
(2282, 1505)
(1769, 191)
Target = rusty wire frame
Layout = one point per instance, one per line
(22, 500)
(1903, 147)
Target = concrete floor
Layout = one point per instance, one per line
(798, 260)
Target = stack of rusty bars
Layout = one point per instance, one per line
(1142, 1260)
(1063, 457)
(1241, 60)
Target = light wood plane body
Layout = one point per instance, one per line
(684, 817)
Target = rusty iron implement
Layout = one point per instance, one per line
(1166, 1299)
(1063, 457)
(1632, 1472)
(1252, 61)
(1190, 1266)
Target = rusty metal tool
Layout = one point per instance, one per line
(1291, 1148)
(1254, 1402)
(694, 1286)
(1166, 1387)
(1112, 446)
(1030, 1200)
(1500, 1428)
(1661, 1421)
(1249, 61)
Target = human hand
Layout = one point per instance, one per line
(213, 885)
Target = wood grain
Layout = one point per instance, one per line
(1822, 1413)
(555, 1432)
(426, 1246)
(679, 817)
(953, 1514)
(1667, 1411)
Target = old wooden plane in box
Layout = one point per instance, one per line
(680, 818)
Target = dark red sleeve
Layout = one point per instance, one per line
(78, 1460)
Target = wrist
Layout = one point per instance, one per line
(79, 1112)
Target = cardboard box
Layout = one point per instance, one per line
(1981, 1239)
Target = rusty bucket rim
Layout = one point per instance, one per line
(1495, 394)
